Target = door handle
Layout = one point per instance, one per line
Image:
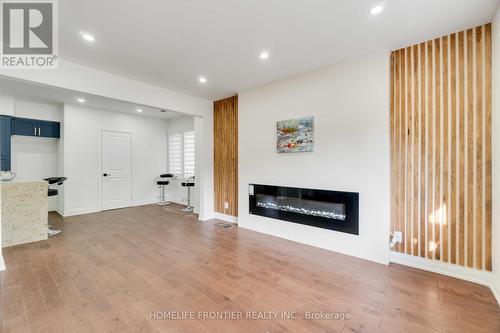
(39, 131)
(105, 174)
(35, 131)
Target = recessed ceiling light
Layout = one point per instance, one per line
(264, 55)
(376, 10)
(80, 100)
(88, 37)
(202, 79)
(139, 110)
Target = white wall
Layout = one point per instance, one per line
(88, 80)
(496, 154)
(35, 110)
(349, 102)
(182, 123)
(33, 158)
(82, 129)
(175, 192)
(6, 105)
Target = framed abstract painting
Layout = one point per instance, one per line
(295, 135)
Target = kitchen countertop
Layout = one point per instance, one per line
(24, 212)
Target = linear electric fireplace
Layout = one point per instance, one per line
(318, 208)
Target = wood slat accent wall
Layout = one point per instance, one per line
(226, 155)
(440, 135)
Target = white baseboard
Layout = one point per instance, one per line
(452, 270)
(144, 203)
(81, 211)
(224, 217)
(496, 293)
(179, 202)
(2, 263)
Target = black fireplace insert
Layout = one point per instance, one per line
(326, 209)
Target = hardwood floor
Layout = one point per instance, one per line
(108, 272)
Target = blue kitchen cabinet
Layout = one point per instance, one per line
(24, 126)
(5, 141)
(34, 127)
(48, 129)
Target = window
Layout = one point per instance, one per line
(188, 154)
(175, 153)
(181, 154)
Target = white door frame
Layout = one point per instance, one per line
(99, 164)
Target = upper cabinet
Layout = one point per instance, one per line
(5, 130)
(49, 129)
(23, 126)
(33, 127)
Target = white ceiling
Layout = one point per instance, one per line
(46, 94)
(169, 43)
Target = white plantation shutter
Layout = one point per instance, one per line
(175, 153)
(189, 154)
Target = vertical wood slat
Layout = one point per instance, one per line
(438, 211)
(423, 142)
(453, 148)
(470, 157)
(487, 140)
(461, 152)
(226, 155)
(415, 181)
(441, 154)
(445, 170)
(479, 149)
(409, 152)
(397, 169)
(430, 152)
(403, 145)
(392, 138)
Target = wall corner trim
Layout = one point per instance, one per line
(2, 263)
(496, 293)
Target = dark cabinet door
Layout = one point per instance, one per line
(23, 126)
(48, 129)
(5, 163)
(5, 140)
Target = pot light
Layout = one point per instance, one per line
(80, 100)
(264, 55)
(376, 10)
(139, 110)
(88, 37)
(202, 79)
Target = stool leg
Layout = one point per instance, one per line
(189, 208)
(163, 202)
(52, 232)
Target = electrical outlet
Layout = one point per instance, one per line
(226, 205)
(398, 236)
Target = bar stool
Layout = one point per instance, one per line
(54, 181)
(188, 183)
(163, 184)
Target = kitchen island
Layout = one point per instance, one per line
(24, 212)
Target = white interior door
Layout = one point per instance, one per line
(116, 165)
